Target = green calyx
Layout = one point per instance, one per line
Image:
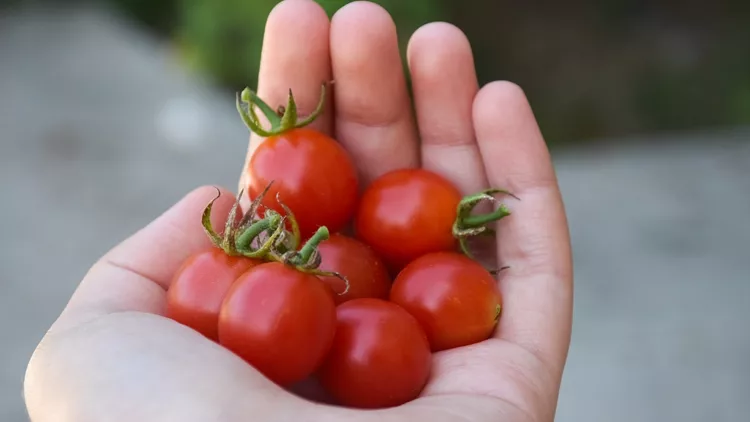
(243, 237)
(306, 259)
(268, 238)
(468, 225)
(283, 119)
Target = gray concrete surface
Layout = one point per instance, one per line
(100, 130)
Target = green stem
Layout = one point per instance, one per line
(312, 244)
(266, 250)
(474, 221)
(245, 239)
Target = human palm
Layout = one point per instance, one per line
(112, 355)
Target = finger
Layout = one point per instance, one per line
(373, 113)
(294, 56)
(134, 275)
(444, 83)
(534, 240)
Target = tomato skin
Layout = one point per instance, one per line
(280, 320)
(367, 275)
(454, 298)
(407, 213)
(198, 288)
(380, 356)
(313, 174)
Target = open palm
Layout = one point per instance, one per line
(112, 356)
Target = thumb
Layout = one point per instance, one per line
(135, 274)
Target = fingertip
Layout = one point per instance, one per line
(435, 45)
(499, 98)
(306, 15)
(515, 152)
(364, 48)
(364, 13)
(373, 112)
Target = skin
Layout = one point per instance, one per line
(454, 298)
(275, 308)
(407, 213)
(380, 356)
(112, 355)
(365, 271)
(313, 175)
(200, 285)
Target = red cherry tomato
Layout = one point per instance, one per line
(280, 320)
(380, 356)
(194, 297)
(455, 299)
(313, 174)
(407, 213)
(356, 261)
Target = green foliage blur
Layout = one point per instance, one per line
(223, 38)
(591, 68)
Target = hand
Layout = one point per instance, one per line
(111, 355)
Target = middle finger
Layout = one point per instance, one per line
(372, 109)
(445, 84)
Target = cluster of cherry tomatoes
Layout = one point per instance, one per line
(286, 289)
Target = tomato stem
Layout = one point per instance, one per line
(474, 221)
(288, 120)
(266, 249)
(467, 224)
(245, 239)
(312, 244)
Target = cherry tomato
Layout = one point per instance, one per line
(380, 356)
(313, 175)
(407, 213)
(356, 261)
(194, 297)
(455, 299)
(280, 320)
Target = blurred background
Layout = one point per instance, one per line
(111, 110)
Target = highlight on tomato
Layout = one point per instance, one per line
(312, 173)
(280, 320)
(380, 356)
(454, 298)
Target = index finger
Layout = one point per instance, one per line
(534, 241)
(295, 56)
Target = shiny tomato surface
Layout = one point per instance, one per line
(380, 356)
(280, 320)
(407, 213)
(313, 174)
(197, 289)
(454, 298)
